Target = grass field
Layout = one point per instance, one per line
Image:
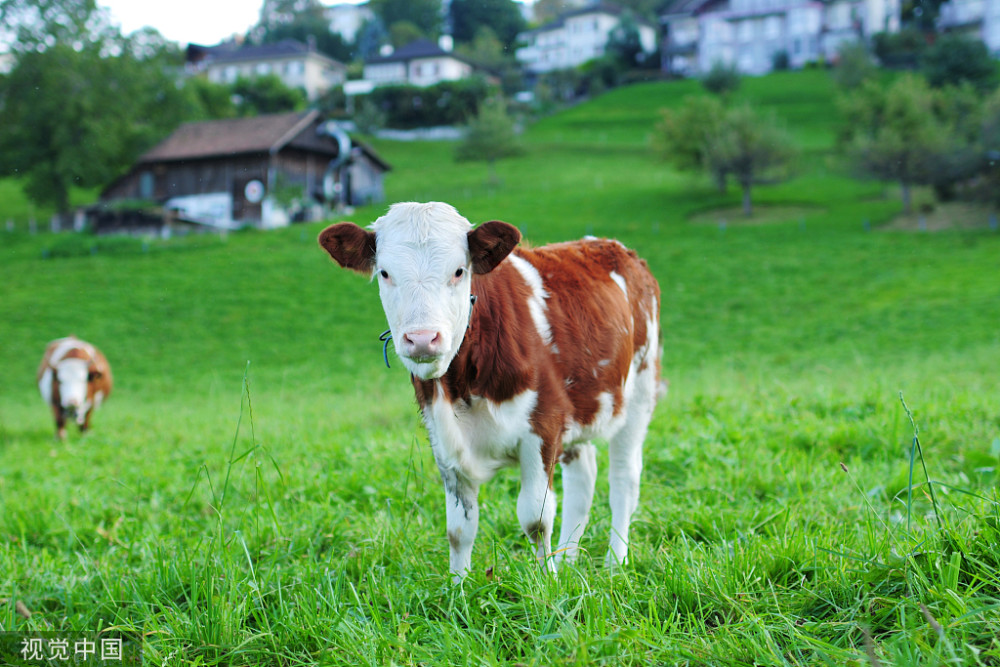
(259, 491)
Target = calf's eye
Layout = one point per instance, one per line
(460, 272)
(384, 274)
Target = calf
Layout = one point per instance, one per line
(518, 357)
(74, 379)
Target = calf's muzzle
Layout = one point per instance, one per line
(422, 344)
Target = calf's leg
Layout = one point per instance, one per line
(579, 475)
(462, 514)
(536, 502)
(625, 464)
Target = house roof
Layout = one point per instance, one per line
(685, 7)
(421, 48)
(259, 134)
(286, 48)
(240, 136)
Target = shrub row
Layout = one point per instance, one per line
(446, 103)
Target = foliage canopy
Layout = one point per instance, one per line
(956, 59)
(736, 142)
(911, 134)
(490, 136)
(503, 17)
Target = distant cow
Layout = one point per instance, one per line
(74, 379)
(518, 357)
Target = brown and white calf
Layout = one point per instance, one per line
(74, 379)
(519, 356)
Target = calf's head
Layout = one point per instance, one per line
(423, 257)
(73, 377)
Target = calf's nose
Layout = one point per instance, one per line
(422, 343)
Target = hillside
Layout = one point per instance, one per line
(289, 511)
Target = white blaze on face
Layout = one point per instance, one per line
(424, 278)
(71, 374)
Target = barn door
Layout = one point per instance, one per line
(248, 193)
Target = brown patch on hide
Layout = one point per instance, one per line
(591, 321)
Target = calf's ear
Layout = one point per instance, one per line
(351, 246)
(489, 243)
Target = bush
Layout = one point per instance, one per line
(780, 61)
(369, 118)
(901, 49)
(722, 79)
(854, 66)
(601, 74)
(446, 103)
(955, 59)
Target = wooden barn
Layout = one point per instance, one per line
(265, 171)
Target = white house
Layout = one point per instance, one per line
(346, 19)
(420, 63)
(576, 37)
(976, 18)
(298, 65)
(750, 33)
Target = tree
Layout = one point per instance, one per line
(990, 133)
(960, 111)
(488, 51)
(683, 134)
(425, 14)
(647, 9)
(402, 33)
(489, 136)
(896, 134)
(740, 143)
(57, 127)
(35, 25)
(624, 44)
(921, 14)
(485, 49)
(370, 38)
(207, 100)
(307, 29)
(267, 94)
(276, 13)
(899, 49)
(752, 149)
(722, 79)
(549, 10)
(301, 20)
(502, 17)
(956, 59)
(854, 66)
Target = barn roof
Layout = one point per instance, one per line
(231, 136)
(240, 136)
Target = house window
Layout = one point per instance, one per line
(745, 31)
(146, 185)
(263, 68)
(294, 68)
(230, 73)
(772, 27)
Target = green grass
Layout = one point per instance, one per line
(17, 210)
(289, 512)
